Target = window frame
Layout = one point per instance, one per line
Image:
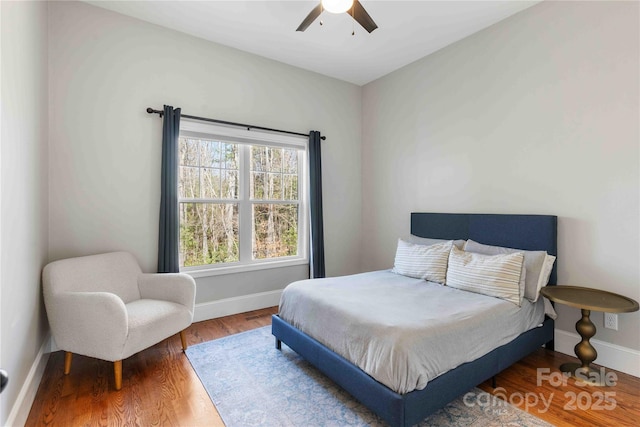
(246, 138)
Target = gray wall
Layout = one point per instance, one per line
(536, 114)
(106, 69)
(23, 194)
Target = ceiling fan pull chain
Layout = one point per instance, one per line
(353, 22)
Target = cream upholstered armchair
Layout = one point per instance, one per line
(103, 306)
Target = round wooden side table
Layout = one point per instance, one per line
(587, 299)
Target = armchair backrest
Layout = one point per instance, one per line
(115, 272)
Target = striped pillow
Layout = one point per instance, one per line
(534, 265)
(492, 275)
(422, 262)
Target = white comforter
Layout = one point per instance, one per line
(403, 332)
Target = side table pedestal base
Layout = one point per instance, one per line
(589, 376)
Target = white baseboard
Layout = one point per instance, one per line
(221, 308)
(235, 305)
(22, 406)
(612, 356)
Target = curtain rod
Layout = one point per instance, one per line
(249, 127)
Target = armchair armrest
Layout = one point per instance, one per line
(89, 323)
(175, 287)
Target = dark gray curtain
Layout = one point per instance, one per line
(169, 237)
(315, 196)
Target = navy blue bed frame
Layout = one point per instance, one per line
(530, 232)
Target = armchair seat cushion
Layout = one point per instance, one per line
(151, 321)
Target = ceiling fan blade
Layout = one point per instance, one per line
(362, 17)
(310, 17)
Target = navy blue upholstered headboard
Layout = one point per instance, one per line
(528, 232)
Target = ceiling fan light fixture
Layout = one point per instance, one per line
(337, 6)
(340, 6)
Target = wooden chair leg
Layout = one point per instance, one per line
(117, 371)
(67, 362)
(183, 338)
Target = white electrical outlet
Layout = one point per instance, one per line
(611, 321)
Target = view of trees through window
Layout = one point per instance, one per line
(212, 177)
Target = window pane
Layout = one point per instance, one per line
(230, 156)
(208, 233)
(258, 186)
(258, 158)
(210, 154)
(275, 230)
(290, 187)
(274, 186)
(290, 161)
(229, 184)
(210, 183)
(189, 183)
(188, 151)
(274, 159)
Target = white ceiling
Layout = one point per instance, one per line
(407, 30)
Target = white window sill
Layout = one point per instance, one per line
(206, 271)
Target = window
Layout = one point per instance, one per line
(241, 198)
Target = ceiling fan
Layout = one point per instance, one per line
(353, 7)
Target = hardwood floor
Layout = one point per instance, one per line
(563, 401)
(159, 387)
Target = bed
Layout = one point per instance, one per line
(408, 406)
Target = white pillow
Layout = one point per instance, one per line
(421, 261)
(492, 275)
(545, 273)
(417, 240)
(538, 265)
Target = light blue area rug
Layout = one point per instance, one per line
(253, 384)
